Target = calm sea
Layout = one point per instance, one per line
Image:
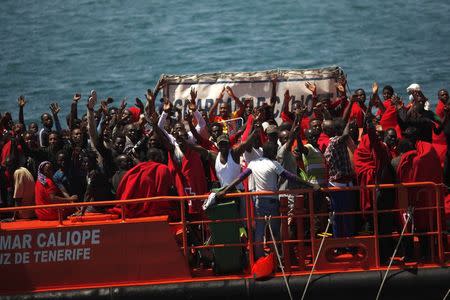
(51, 49)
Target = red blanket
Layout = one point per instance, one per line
(304, 124)
(368, 160)
(323, 142)
(389, 118)
(365, 167)
(439, 141)
(190, 178)
(5, 152)
(248, 131)
(420, 165)
(147, 179)
(357, 114)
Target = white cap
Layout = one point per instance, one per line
(413, 87)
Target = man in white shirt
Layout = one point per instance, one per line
(264, 172)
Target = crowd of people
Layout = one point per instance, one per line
(144, 150)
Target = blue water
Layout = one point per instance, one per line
(51, 49)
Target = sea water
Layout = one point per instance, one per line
(51, 49)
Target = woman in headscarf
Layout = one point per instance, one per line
(46, 192)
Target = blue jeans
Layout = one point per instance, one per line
(344, 225)
(266, 206)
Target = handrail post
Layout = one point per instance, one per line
(284, 210)
(251, 255)
(60, 221)
(122, 208)
(311, 224)
(375, 227)
(183, 223)
(299, 204)
(439, 225)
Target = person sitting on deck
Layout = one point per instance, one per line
(47, 192)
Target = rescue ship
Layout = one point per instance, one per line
(105, 256)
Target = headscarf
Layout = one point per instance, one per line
(41, 177)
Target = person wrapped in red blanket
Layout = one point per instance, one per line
(439, 141)
(419, 165)
(372, 166)
(147, 179)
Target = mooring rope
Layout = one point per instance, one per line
(446, 295)
(409, 214)
(330, 221)
(267, 218)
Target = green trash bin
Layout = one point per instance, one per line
(228, 259)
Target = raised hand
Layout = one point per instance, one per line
(21, 101)
(154, 118)
(91, 103)
(287, 96)
(193, 94)
(161, 84)
(340, 88)
(311, 86)
(122, 106)
(104, 106)
(342, 80)
(230, 92)
(375, 88)
(167, 105)
(150, 96)
(54, 108)
(192, 106)
(76, 97)
(139, 104)
(94, 94)
(396, 101)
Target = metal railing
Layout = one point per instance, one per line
(305, 244)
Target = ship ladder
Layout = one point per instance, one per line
(324, 236)
(267, 218)
(409, 214)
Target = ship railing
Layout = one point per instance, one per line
(407, 194)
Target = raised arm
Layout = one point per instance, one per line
(201, 123)
(92, 129)
(165, 141)
(55, 109)
(247, 144)
(74, 109)
(213, 109)
(192, 128)
(285, 106)
(273, 96)
(21, 101)
(238, 102)
(348, 108)
(375, 99)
